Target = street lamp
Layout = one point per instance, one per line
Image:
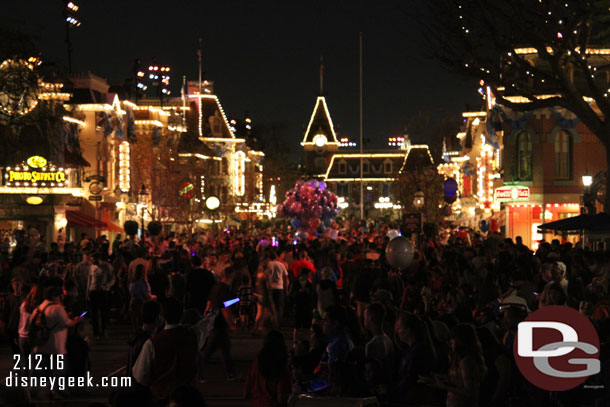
(143, 201)
(212, 203)
(588, 203)
(418, 199)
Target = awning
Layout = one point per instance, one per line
(77, 218)
(590, 223)
(110, 226)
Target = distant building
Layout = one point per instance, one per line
(335, 161)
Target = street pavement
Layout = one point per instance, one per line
(109, 354)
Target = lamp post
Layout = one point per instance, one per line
(418, 203)
(212, 203)
(588, 204)
(418, 200)
(143, 201)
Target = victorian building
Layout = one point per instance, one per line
(348, 172)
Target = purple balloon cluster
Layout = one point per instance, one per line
(309, 203)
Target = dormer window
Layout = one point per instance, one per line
(365, 167)
(342, 167)
(387, 167)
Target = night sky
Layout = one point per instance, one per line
(263, 56)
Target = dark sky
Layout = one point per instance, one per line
(263, 55)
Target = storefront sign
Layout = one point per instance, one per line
(35, 172)
(35, 176)
(512, 194)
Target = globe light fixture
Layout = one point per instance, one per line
(212, 203)
(320, 140)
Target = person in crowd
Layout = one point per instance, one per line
(380, 345)
(100, 281)
(266, 313)
(496, 385)
(12, 303)
(56, 319)
(326, 292)
(340, 343)
(116, 245)
(467, 369)
(26, 309)
(186, 396)
(168, 359)
(199, 282)
(278, 281)
(81, 278)
(268, 380)
(418, 358)
(303, 261)
(151, 322)
(219, 336)
(302, 296)
(139, 291)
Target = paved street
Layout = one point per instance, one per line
(108, 355)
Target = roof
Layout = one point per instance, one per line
(346, 167)
(213, 124)
(320, 123)
(417, 157)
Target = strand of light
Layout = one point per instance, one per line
(73, 120)
(124, 167)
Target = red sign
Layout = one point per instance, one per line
(512, 194)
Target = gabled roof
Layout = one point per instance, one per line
(346, 167)
(417, 157)
(212, 114)
(320, 122)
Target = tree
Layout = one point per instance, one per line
(428, 181)
(481, 38)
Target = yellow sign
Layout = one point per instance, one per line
(37, 161)
(34, 200)
(36, 176)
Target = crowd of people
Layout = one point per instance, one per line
(336, 320)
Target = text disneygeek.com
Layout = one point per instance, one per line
(29, 373)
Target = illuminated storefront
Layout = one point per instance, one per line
(36, 194)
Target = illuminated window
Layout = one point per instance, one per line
(563, 155)
(524, 156)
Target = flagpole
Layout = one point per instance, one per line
(361, 163)
(321, 76)
(183, 101)
(199, 101)
(199, 59)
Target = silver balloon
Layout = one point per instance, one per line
(399, 253)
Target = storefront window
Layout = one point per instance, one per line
(524, 156)
(563, 155)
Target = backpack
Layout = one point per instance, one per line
(39, 331)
